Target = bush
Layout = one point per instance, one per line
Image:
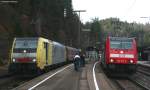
(1, 62)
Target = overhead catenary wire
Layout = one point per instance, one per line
(132, 5)
(130, 8)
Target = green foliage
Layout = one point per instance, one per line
(96, 29)
(1, 62)
(147, 39)
(33, 18)
(17, 31)
(115, 27)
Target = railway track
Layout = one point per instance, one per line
(141, 79)
(142, 76)
(11, 81)
(5, 76)
(144, 69)
(126, 84)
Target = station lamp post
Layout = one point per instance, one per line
(86, 32)
(79, 27)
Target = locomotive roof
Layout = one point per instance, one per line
(27, 38)
(58, 44)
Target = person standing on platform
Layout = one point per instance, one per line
(77, 62)
(82, 56)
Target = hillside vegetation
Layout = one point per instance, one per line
(52, 19)
(100, 29)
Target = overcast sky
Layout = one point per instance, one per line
(126, 10)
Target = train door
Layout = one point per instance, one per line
(46, 51)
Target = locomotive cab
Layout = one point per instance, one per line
(23, 55)
(120, 54)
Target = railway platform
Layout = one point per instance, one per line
(90, 77)
(66, 78)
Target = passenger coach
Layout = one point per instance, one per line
(120, 54)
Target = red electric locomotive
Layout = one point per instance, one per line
(120, 54)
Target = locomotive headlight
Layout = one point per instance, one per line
(131, 61)
(121, 52)
(111, 60)
(14, 60)
(24, 51)
(34, 60)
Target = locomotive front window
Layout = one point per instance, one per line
(115, 44)
(126, 45)
(121, 44)
(26, 44)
